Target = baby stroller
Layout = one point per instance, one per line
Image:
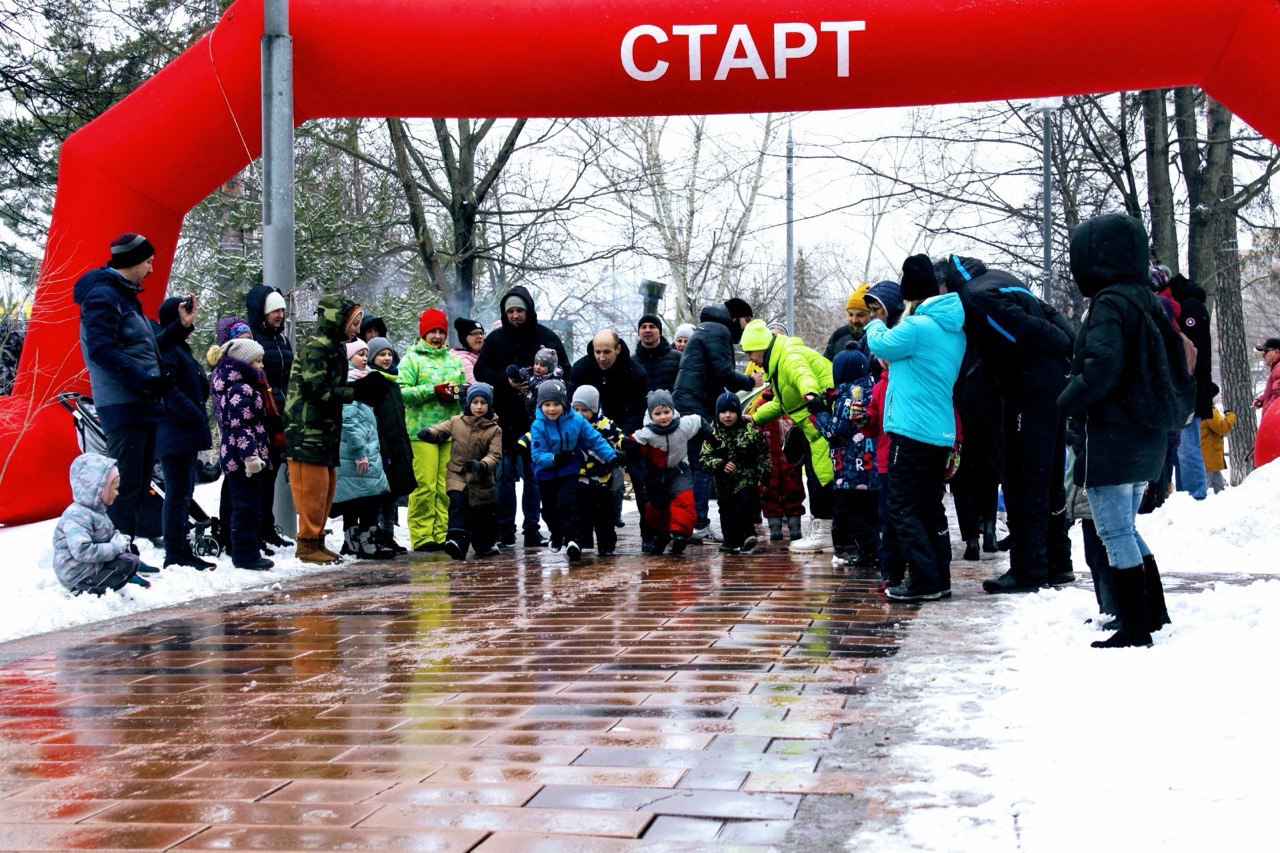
(92, 439)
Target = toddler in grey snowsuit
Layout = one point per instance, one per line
(88, 554)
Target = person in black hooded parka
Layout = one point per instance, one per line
(1119, 445)
(621, 383)
(707, 370)
(264, 310)
(1025, 345)
(660, 360)
(517, 342)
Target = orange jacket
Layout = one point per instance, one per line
(1211, 432)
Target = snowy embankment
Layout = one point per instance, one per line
(1024, 738)
(36, 603)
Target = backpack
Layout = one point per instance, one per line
(1162, 391)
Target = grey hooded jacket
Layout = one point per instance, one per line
(85, 539)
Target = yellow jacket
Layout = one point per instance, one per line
(1211, 432)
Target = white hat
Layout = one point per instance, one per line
(274, 302)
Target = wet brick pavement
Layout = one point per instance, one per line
(510, 704)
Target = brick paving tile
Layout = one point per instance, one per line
(509, 704)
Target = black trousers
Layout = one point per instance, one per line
(109, 576)
(1034, 488)
(267, 515)
(597, 513)
(179, 484)
(246, 505)
(856, 523)
(916, 489)
(739, 512)
(472, 526)
(133, 446)
(361, 513)
(976, 489)
(892, 567)
(560, 507)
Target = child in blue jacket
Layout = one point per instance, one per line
(561, 440)
(839, 416)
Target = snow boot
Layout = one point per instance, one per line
(1010, 583)
(678, 544)
(1131, 600)
(259, 565)
(971, 552)
(533, 539)
(775, 529)
(989, 537)
(311, 551)
(818, 541)
(350, 544)
(1157, 610)
(749, 544)
(192, 561)
(455, 549)
(793, 527)
(275, 539)
(660, 543)
(573, 551)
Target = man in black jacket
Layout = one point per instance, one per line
(660, 360)
(264, 310)
(1026, 345)
(517, 342)
(1193, 321)
(707, 370)
(609, 368)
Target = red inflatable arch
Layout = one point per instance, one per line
(145, 162)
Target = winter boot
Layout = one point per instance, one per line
(311, 551)
(1131, 600)
(678, 544)
(971, 552)
(573, 551)
(192, 561)
(533, 539)
(660, 542)
(275, 539)
(818, 541)
(350, 543)
(259, 565)
(387, 539)
(1157, 611)
(455, 549)
(749, 544)
(793, 527)
(379, 550)
(775, 529)
(1009, 582)
(989, 537)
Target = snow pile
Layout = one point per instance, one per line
(1236, 530)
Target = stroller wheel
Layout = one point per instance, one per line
(208, 546)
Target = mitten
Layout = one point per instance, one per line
(444, 393)
(816, 404)
(472, 466)
(429, 435)
(513, 372)
(254, 465)
(564, 457)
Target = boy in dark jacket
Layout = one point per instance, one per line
(474, 461)
(561, 438)
(598, 480)
(393, 438)
(737, 456)
(840, 416)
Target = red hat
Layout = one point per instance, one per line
(432, 318)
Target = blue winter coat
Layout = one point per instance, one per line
(853, 454)
(119, 347)
(85, 539)
(925, 350)
(359, 439)
(185, 426)
(569, 432)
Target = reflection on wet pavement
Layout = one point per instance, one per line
(508, 704)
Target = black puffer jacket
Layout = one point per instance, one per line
(1110, 431)
(1023, 341)
(622, 387)
(514, 345)
(185, 426)
(277, 355)
(660, 363)
(840, 337)
(707, 369)
(1193, 320)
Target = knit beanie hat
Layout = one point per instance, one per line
(728, 402)
(547, 358)
(650, 318)
(514, 300)
(738, 308)
(857, 299)
(756, 336)
(354, 347)
(129, 250)
(479, 389)
(685, 330)
(660, 398)
(775, 326)
(849, 365)
(430, 320)
(243, 350)
(918, 279)
(376, 345)
(553, 391)
(588, 396)
(273, 302)
(230, 327)
(465, 326)
(1160, 276)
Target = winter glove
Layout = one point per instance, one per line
(254, 465)
(430, 436)
(157, 385)
(817, 404)
(472, 467)
(513, 373)
(370, 390)
(564, 457)
(444, 393)
(953, 463)
(362, 465)
(629, 445)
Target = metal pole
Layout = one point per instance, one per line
(1048, 208)
(278, 258)
(791, 284)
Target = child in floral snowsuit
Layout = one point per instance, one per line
(245, 448)
(737, 456)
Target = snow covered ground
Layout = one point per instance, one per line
(1027, 739)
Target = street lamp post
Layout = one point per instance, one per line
(652, 292)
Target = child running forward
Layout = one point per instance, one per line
(598, 478)
(738, 457)
(663, 444)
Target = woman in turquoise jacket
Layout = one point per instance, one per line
(924, 350)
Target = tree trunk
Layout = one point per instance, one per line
(1164, 231)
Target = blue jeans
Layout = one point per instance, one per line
(514, 466)
(1191, 476)
(1115, 511)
